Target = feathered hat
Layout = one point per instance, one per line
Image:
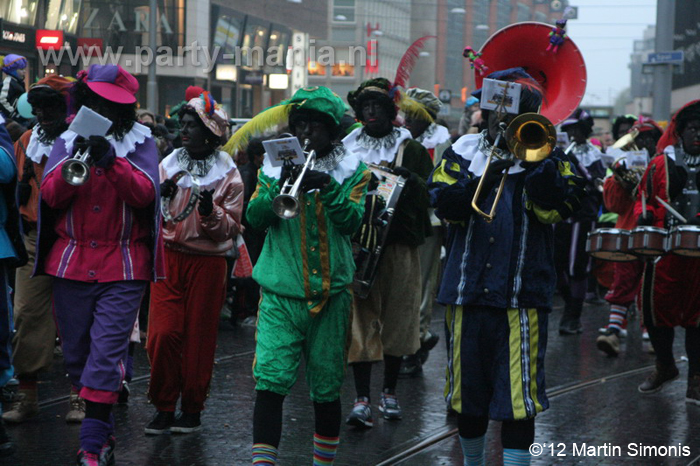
(671, 136)
(212, 115)
(317, 98)
(394, 91)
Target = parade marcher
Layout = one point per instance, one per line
(12, 255)
(622, 125)
(99, 241)
(498, 304)
(305, 271)
(185, 308)
(386, 324)
(435, 138)
(246, 306)
(671, 286)
(14, 67)
(573, 263)
(35, 331)
(619, 194)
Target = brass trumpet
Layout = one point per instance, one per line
(286, 205)
(76, 171)
(531, 137)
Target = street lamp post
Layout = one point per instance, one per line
(152, 86)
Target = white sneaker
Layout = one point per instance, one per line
(604, 330)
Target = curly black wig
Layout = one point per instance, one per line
(123, 116)
(212, 140)
(47, 97)
(358, 97)
(619, 121)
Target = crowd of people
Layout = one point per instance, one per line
(174, 220)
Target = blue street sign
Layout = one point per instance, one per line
(665, 58)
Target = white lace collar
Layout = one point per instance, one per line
(137, 135)
(433, 136)
(376, 150)
(36, 149)
(220, 170)
(476, 149)
(344, 170)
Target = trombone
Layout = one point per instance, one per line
(531, 138)
(286, 205)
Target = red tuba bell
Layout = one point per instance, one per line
(561, 74)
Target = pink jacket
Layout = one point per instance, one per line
(213, 235)
(103, 226)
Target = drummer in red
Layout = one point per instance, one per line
(619, 192)
(671, 286)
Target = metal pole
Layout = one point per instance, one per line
(152, 87)
(665, 19)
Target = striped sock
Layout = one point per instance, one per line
(617, 317)
(513, 457)
(473, 450)
(325, 449)
(264, 454)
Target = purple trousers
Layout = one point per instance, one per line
(94, 321)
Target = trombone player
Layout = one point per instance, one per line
(304, 271)
(499, 275)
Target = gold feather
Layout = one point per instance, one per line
(261, 123)
(414, 109)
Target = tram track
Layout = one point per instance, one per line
(446, 433)
(143, 378)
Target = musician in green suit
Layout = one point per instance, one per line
(304, 271)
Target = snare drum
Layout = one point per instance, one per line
(648, 241)
(610, 244)
(684, 240)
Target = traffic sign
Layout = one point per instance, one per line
(445, 95)
(665, 58)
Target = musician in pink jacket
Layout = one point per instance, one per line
(99, 240)
(184, 314)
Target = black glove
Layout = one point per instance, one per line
(28, 170)
(168, 188)
(287, 171)
(24, 191)
(206, 203)
(403, 172)
(495, 173)
(647, 221)
(315, 179)
(99, 150)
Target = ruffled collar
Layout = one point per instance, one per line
(587, 154)
(376, 150)
(219, 170)
(476, 149)
(137, 135)
(344, 169)
(433, 136)
(692, 161)
(37, 149)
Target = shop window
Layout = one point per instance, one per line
(19, 11)
(315, 69)
(62, 15)
(343, 65)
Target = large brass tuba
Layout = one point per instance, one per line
(531, 137)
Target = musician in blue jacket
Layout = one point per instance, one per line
(499, 278)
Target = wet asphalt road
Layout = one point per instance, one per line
(607, 410)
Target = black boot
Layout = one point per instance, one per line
(570, 323)
(7, 446)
